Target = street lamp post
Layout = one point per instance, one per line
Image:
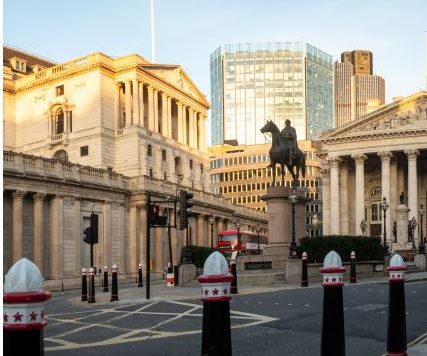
(363, 226)
(314, 223)
(422, 242)
(293, 199)
(238, 236)
(412, 224)
(384, 207)
(257, 234)
(211, 222)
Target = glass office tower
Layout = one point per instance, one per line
(255, 82)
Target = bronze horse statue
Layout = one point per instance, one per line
(280, 154)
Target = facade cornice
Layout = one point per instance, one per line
(368, 136)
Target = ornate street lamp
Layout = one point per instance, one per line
(412, 224)
(363, 226)
(211, 222)
(314, 223)
(384, 207)
(237, 224)
(421, 247)
(293, 199)
(257, 234)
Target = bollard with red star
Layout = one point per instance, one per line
(140, 284)
(396, 325)
(114, 285)
(333, 339)
(353, 267)
(84, 285)
(304, 274)
(105, 284)
(91, 298)
(23, 310)
(216, 290)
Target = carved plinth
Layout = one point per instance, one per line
(402, 213)
(279, 215)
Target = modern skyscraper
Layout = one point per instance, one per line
(255, 82)
(357, 91)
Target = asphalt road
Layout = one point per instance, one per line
(286, 322)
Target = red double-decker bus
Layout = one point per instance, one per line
(227, 242)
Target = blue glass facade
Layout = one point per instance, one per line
(255, 82)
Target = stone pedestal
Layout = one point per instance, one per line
(187, 275)
(402, 213)
(293, 271)
(279, 215)
(421, 262)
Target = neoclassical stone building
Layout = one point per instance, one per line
(381, 154)
(100, 133)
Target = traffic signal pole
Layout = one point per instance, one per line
(147, 283)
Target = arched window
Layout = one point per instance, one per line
(61, 155)
(59, 122)
(163, 155)
(149, 151)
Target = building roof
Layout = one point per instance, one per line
(32, 59)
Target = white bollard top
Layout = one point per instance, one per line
(332, 270)
(215, 281)
(353, 255)
(304, 255)
(396, 270)
(140, 265)
(84, 270)
(23, 276)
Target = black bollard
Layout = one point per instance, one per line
(23, 311)
(105, 279)
(140, 285)
(233, 265)
(353, 267)
(84, 285)
(114, 285)
(396, 326)
(216, 333)
(333, 340)
(304, 277)
(91, 298)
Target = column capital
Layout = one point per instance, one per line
(39, 197)
(385, 156)
(325, 172)
(322, 155)
(412, 154)
(359, 158)
(334, 161)
(19, 194)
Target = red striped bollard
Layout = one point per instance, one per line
(333, 340)
(216, 286)
(91, 298)
(304, 277)
(84, 285)
(233, 266)
(396, 325)
(23, 310)
(105, 279)
(353, 267)
(140, 284)
(114, 285)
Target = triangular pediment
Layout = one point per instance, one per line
(176, 76)
(406, 115)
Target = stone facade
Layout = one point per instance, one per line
(104, 131)
(379, 155)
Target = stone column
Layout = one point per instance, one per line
(200, 237)
(141, 104)
(135, 100)
(38, 229)
(57, 234)
(191, 127)
(202, 133)
(220, 225)
(117, 106)
(66, 114)
(179, 118)
(169, 116)
(142, 255)
(150, 108)
(385, 189)
(164, 117)
(412, 188)
(359, 190)
(156, 109)
(395, 192)
(107, 241)
(326, 206)
(344, 218)
(78, 230)
(128, 99)
(17, 228)
(133, 245)
(335, 195)
(50, 124)
(184, 125)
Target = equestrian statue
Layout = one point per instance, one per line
(284, 151)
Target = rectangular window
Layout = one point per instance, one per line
(59, 90)
(84, 151)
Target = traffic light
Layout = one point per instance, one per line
(185, 204)
(154, 217)
(87, 235)
(94, 228)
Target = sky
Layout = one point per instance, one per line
(188, 31)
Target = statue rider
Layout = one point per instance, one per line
(289, 136)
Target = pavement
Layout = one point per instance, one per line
(128, 294)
